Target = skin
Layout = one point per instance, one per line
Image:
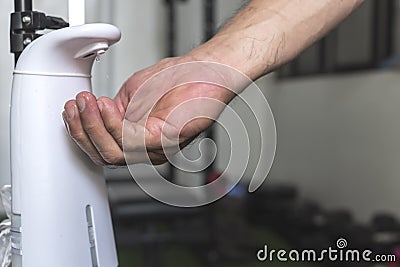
(264, 35)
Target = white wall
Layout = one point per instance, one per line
(338, 140)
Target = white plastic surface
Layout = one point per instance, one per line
(69, 51)
(53, 182)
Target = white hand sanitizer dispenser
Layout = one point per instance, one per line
(60, 206)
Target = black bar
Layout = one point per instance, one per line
(209, 31)
(209, 24)
(322, 55)
(23, 5)
(171, 20)
(375, 37)
(171, 28)
(390, 23)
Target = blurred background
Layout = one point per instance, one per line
(336, 108)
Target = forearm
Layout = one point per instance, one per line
(268, 33)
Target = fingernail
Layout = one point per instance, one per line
(65, 118)
(80, 101)
(64, 115)
(69, 113)
(100, 105)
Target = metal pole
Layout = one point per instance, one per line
(23, 5)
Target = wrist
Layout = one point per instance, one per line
(224, 50)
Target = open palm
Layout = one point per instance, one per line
(155, 113)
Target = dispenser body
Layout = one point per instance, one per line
(61, 214)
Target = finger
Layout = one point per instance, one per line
(94, 127)
(112, 118)
(122, 99)
(76, 131)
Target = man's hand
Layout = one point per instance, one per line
(152, 116)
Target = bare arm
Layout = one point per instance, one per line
(268, 33)
(262, 36)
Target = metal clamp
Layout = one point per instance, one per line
(24, 26)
